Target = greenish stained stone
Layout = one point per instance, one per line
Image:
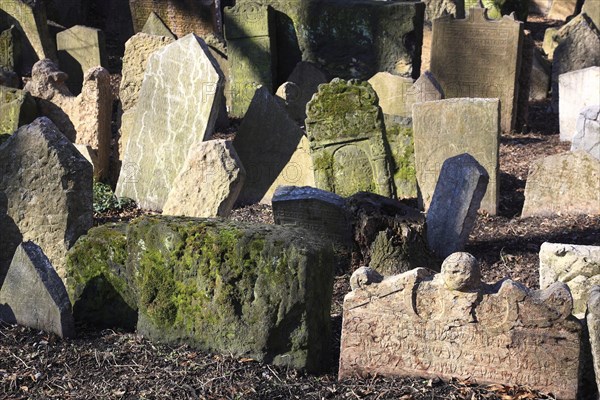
(10, 49)
(401, 142)
(17, 108)
(493, 7)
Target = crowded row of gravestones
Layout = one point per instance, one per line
(332, 156)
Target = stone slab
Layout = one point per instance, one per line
(155, 26)
(578, 89)
(17, 108)
(540, 77)
(587, 137)
(593, 323)
(592, 9)
(182, 17)
(392, 91)
(10, 49)
(402, 150)
(562, 9)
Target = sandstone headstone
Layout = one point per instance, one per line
(562, 9)
(438, 8)
(209, 182)
(273, 149)
(155, 26)
(402, 149)
(392, 91)
(578, 89)
(446, 128)
(451, 216)
(17, 108)
(345, 127)
(592, 9)
(588, 131)
(524, 84)
(33, 294)
(177, 107)
(566, 183)
(9, 78)
(593, 323)
(476, 57)
(80, 48)
(540, 77)
(10, 49)
(426, 88)
(419, 324)
(553, 36)
(45, 193)
(576, 265)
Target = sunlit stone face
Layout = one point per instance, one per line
(461, 272)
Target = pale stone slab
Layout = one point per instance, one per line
(587, 137)
(17, 108)
(177, 107)
(578, 89)
(426, 88)
(392, 91)
(451, 325)
(155, 26)
(33, 295)
(446, 128)
(540, 77)
(563, 183)
(593, 323)
(562, 9)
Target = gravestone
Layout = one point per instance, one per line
(177, 107)
(578, 89)
(345, 127)
(553, 36)
(435, 9)
(33, 295)
(593, 323)
(540, 7)
(426, 88)
(524, 84)
(182, 17)
(577, 266)
(209, 182)
(587, 137)
(540, 77)
(80, 48)
(155, 26)
(592, 9)
(451, 216)
(567, 183)
(10, 49)
(424, 325)
(402, 151)
(45, 193)
(563, 9)
(273, 150)
(250, 34)
(392, 91)
(446, 128)
(493, 8)
(17, 108)
(477, 57)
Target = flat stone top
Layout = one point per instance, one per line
(298, 193)
(579, 71)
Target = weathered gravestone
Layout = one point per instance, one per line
(347, 139)
(402, 151)
(17, 108)
(182, 17)
(426, 88)
(209, 181)
(10, 49)
(539, 84)
(446, 128)
(587, 137)
(273, 150)
(578, 89)
(177, 107)
(563, 183)
(45, 193)
(476, 57)
(591, 8)
(563, 9)
(392, 91)
(593, 323)
(155, 26)
(493, 8)
(33, 294)
(451, 325)
(79, 49)
(435, 9)
(458, 193)
(576, 265)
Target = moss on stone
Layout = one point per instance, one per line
(401, 141)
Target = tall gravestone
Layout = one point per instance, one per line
(578, 89)
(10, 49)
(446, 128)
(182, 17)
(347, 139)
(478, 57)
(177, 107)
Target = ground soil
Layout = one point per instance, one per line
(120, 365)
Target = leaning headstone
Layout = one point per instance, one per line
(576, 265)
(177, 107)
(493, 8)
(578, 89)
(273, 150)
(79, 49)
(33, 295)
(587, 137)
(451, 216)
(522, 117)
(446, 128)
(553, 36)
(17, 108)
(392, 91)
(45, 192)
(451, 325)
(591, 8)
(345, 127)
(566, 183)
(476, 57)
(593, 323)
(539, 84)
(209, 182)
(10, 49)
(155, 26)
(563, 9)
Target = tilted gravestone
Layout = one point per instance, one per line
(155, 26)
(451, 325)
(402, 151)
(182, 17)
(578, 89)
(587, 137)
(10, 49)
(476, 57)
(446, 128)
(593, 323)
(17, 108)
(33, 294)
(177, 107)
(563, 9)
(345, 127)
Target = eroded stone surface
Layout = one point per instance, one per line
(155, 26)
(392, 91)
(10, 49)
(578, 89)
(17, 108)
(587, 137)
(539, 85)
(182, 17)
(593, 323)
(562, 9)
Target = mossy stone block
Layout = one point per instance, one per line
(17, 108)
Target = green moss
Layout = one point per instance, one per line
(400, 139)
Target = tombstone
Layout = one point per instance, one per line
(392, 91)
(155, 26)
(33, 295)
(10, 49)
(446, 128)
(249, 30)
(593, 323)
(451, 216)
(345, 127)
(567, 183)
(592, 9)
(477, 57)
(80, 48)
(316, 210)
(575, 265)
(578, 89)
(177, 107)
(273, 150)
(45, 193)
(435, 9)
(402, 150)
(493, 8)
(540, 77)
(17, 108)
(426, 88)
(587, 137)
(562, 9)
(451, 325)
(209, 182)
(522, 117)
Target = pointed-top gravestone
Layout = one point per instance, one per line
(177, 107)
(33, 294)
(155, 26)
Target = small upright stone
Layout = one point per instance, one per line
(17, 108)
(392, 91)
(460, 187)
(578, 89)
(10, 49)
(155, 26)
(593, 323)
(587, 137)
(33, 294)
